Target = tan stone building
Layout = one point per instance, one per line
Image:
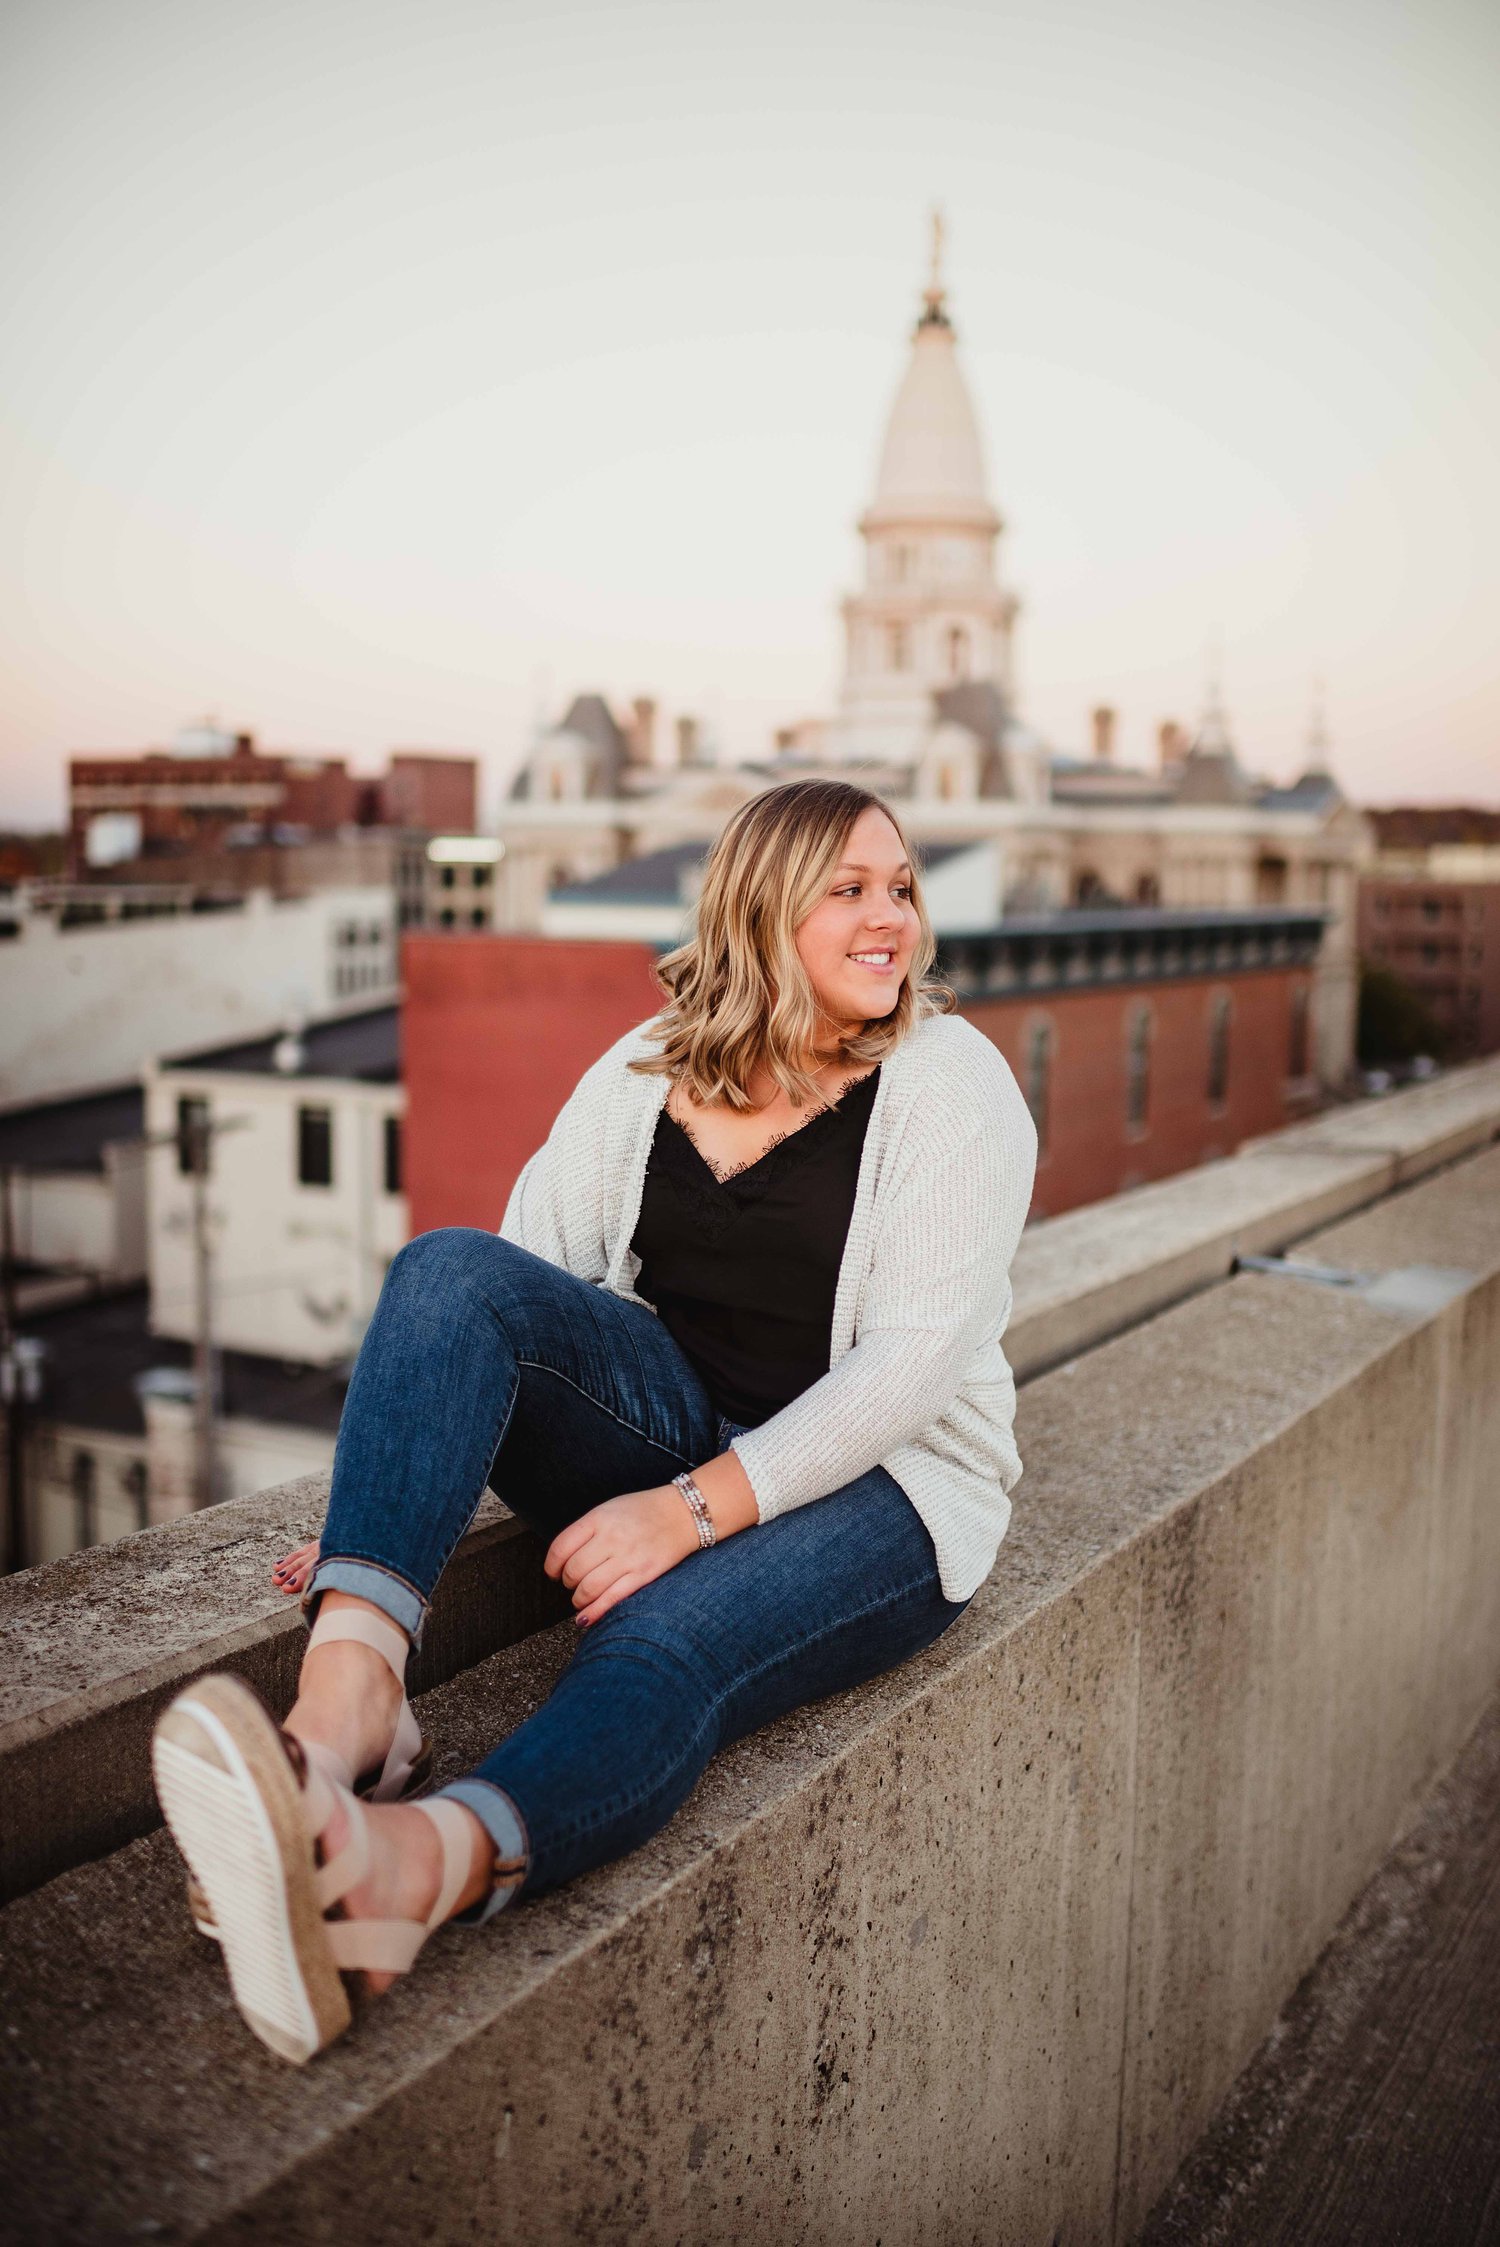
(927, 715)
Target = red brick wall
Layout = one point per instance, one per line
(440, 793)
(314, 792)
(497, 1030)
(495, 1033)
(1090, 1150)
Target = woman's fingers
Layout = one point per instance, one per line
(603, 1573)
(566, 1543)
(621, 1588)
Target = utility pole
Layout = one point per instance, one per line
(197, 1141)
(13, 1388)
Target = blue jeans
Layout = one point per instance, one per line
(484, 1363)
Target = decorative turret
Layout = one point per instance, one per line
(931, 614)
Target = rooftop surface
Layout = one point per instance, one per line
(97, 1350)
(655, 878)
(363, 1047)
(70, 1134)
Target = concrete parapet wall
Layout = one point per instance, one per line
(972, 1954)
(97, 1644)
(1080, 1278)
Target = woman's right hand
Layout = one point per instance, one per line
(291, 1575)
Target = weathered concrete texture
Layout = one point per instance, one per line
(1372, 2111)
(97, 1644)
(973, 1954)
(1080, 1278)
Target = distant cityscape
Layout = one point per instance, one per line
(264, 1018)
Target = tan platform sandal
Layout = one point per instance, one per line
(408, 1764)
(247, 1810)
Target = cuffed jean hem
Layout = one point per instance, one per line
(501, 1821)
(368, 1581)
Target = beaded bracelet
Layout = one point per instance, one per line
(697, 1506)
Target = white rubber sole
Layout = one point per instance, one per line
(234, 1806)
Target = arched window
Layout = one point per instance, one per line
(1218, 1049)
(958, 652)
(1296, 1060)
(1147, 890)
(1087, 887)
(1138, 1070)
(1039, 1079)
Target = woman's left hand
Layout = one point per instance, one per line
(614, 1549)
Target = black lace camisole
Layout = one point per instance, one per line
(742, 1270)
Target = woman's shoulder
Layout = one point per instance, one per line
(955, 1071)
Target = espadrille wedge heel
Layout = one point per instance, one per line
(408, 1764)
(248, 1809)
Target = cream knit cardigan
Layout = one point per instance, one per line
(917, 1380)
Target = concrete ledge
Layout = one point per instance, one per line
(1080, 1278)
(100, 1642)
(972, 1953)
(96, 1645)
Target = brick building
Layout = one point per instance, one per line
(1145, 1042)
(214, 792)
(1443, 939)
(1428, 910)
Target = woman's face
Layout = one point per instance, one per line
(857, 942)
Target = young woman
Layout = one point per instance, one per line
(734, 1355)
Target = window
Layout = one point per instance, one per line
(315, 1146)
(447, 877)
(1296, 1060)
(1039, 1080)
(393, 1154)
(193, 1138)
(1138, 1070)
(480, 877)
(135, 1485)
(479, 918)
(85, 1480)
(897, 647)
(958, 653)
(1218, 1050)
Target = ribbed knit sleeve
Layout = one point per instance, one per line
(938, 1288)
(558, 1205)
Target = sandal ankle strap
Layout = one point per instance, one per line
(366, 1628)
(389, 1946)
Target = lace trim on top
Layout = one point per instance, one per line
(724, 1176)
(714, 1202)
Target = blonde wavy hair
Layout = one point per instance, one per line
(738, 995)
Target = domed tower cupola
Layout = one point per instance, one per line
(931, 612)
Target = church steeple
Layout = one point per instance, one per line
(930, 616)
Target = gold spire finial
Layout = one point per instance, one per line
(934, 295)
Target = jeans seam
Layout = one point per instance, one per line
(467, 1524)
(535, 1365)
(622, 1806)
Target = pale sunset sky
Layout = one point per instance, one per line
(381, 375)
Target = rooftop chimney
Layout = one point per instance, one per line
(1171, 743)
(1104, 731)
(641, 730)
(687, 741)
